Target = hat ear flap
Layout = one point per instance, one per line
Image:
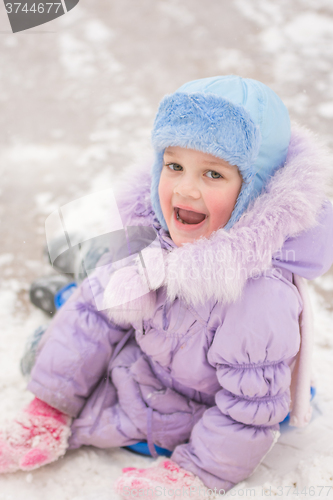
(155, 180)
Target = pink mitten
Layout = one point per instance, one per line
(165, 477)
(37, 437)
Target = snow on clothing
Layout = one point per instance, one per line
(38, 436)
(207, 372)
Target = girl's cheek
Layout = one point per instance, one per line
(215, 203)
(220, 207)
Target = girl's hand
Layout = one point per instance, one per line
(38, 436)
(165, 479)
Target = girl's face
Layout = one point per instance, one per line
(197, 193)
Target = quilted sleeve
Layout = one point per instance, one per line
(253, 346)
(79, 343)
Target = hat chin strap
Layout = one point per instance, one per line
(300, 414)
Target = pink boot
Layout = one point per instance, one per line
(37, 437)
(165, 476)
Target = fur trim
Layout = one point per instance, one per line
(209, 123)
(218, 268)
(301, 412)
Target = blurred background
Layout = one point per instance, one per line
(78, 97)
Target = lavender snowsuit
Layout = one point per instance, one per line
(205, 368)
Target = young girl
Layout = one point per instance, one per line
(197, 349)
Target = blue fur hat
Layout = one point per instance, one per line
(237, 119)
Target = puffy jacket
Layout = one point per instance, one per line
(204, 369)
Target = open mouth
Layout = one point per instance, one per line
(188, 216)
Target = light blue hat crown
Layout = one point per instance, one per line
(237, 119)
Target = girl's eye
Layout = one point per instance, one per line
(174, 166)
(214, 175)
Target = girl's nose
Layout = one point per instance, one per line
(187, 188)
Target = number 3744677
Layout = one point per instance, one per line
(36, 8)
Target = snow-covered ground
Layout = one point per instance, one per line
(78, 97)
